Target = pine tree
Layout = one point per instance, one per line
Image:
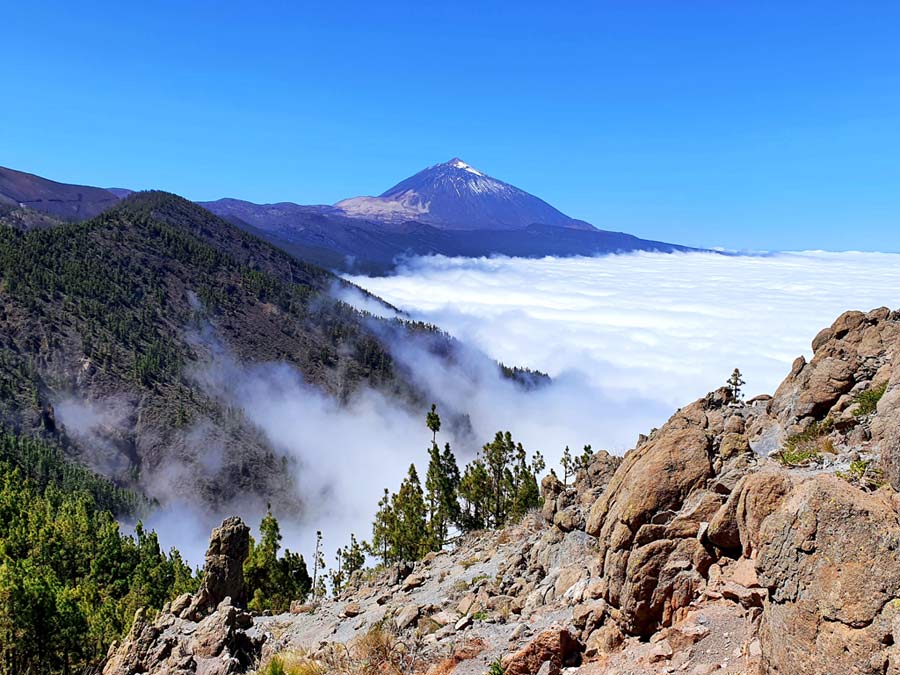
(526, 494)
(353, 556)
(383, 530)
(568, 465)
(337, 575)
(497, 455)
(318, 583)
(734, 383)
(584, 459)
(433, 422)
(475, 492)
(274, 582)
(410, 533)
(441, 484)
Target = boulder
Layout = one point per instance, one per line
(828, 556)
(551, 488)
(554, 646)
(407, 616)
(604, 640)
(845, 354)
(736, 525)
(651, 574)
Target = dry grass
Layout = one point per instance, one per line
(378, 652)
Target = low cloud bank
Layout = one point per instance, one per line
(660, 327)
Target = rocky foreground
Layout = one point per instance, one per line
(741, 537)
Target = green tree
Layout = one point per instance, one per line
(70, 581)
(441, 485)
(475, 493)
(497, 455)
(318, 583)
(273, 582)
(568, 465)
(410, 535)
(383, 530)
(734, 383)
(433, 422)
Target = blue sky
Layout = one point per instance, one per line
(763, 125)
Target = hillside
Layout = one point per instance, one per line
(741, 537)
(110, 317)
(62, 200)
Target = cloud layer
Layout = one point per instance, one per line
(660, 327)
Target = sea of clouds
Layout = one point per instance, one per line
(627, 339)
(663, 327)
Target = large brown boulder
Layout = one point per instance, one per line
(736, 525)
(554, 647)
(651, 569)
(829, 557)
(847, 353)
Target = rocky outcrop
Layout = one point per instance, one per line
(205, 633)
(228, 548)
(651, 521)
(855, 355)
(736, 525)
(566, 506)
(828, 556)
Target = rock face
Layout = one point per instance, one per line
(858, 353)
(648, 522)
(229, 547)
(205, 633)
(829, 558)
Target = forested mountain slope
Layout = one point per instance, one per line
(113, 313)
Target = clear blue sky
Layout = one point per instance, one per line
(770, 125)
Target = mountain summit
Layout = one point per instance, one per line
(456, 196)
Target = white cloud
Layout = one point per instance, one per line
(661, 327)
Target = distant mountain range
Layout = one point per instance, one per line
(68, 202)
(449, 209)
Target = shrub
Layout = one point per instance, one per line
(289, 663)
(863, 474)
(866, 401)
(800, 448)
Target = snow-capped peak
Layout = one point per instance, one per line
(455, 195)
(457, 163)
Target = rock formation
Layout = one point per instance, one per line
(208, 632)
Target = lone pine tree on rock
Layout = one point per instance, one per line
(735, 382)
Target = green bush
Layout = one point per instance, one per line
(867, 401)
(800, 448)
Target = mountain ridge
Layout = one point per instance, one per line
(449, 209)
